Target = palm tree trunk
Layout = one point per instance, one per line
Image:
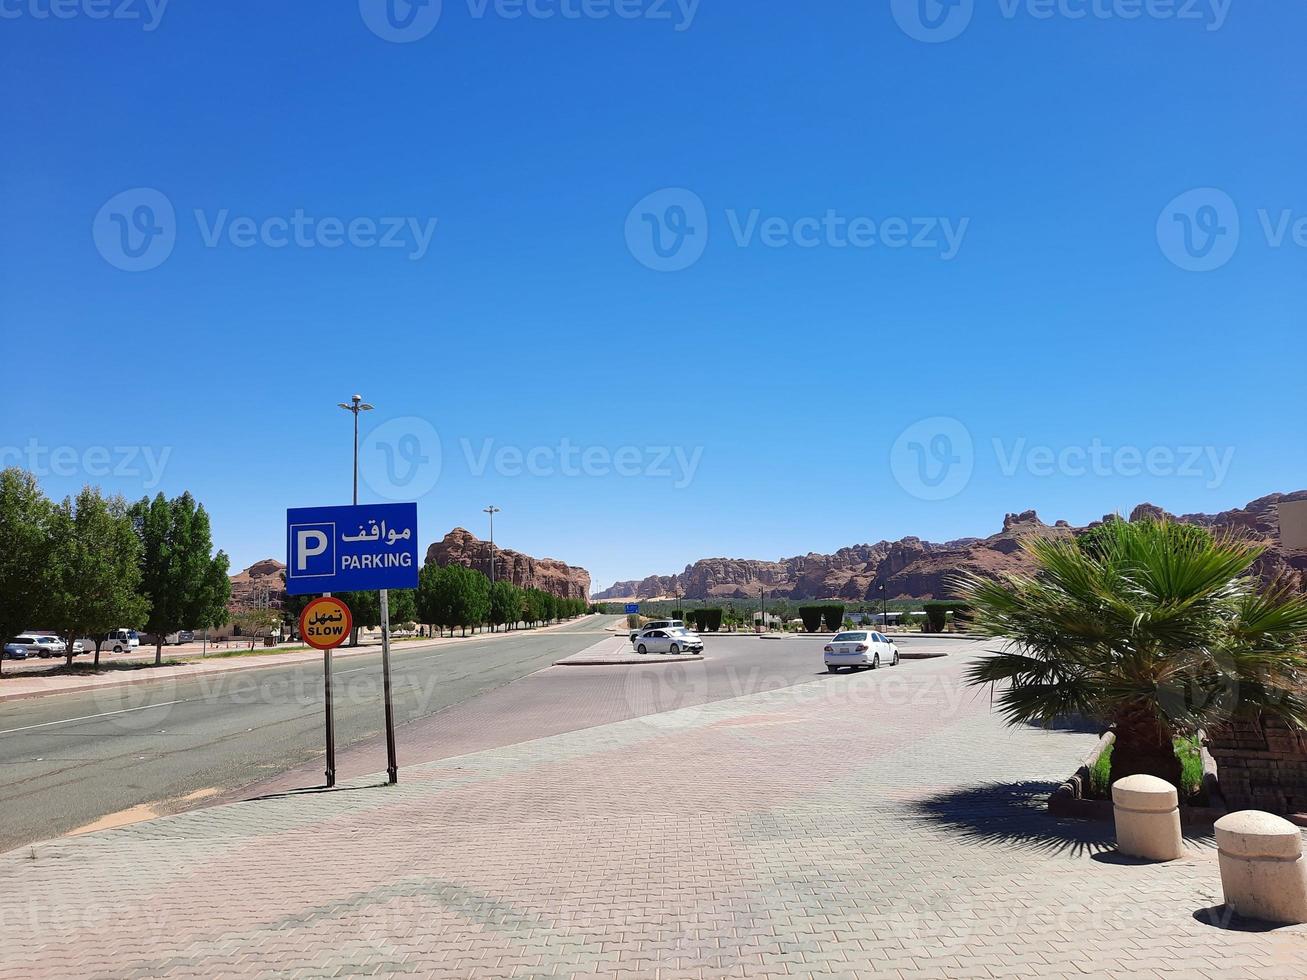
(1144, 744)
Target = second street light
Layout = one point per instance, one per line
(492, 510)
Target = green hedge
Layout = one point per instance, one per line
(834, 616)
(707, 619)
(811, 616)
(936, 613)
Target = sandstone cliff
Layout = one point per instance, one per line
(461, 547)
(259, 585)
(912, 568)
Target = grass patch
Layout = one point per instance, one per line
(90, 670)
(1187, 750)
(247, 652)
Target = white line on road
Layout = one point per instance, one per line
(102, 714)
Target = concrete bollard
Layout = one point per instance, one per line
(1262, 870)
(1147, 811)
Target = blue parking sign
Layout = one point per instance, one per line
(347, 549)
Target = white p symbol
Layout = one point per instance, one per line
(310, 544)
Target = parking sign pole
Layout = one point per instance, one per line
(392, 769)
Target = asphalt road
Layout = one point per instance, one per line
(564, 699)
(69, 760)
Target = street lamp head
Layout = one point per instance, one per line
(365, 407)
(348, 408)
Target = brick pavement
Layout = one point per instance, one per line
(883, 824)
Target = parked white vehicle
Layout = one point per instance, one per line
(856, 649)
(120, 641)
(668, 640)
(658, 624)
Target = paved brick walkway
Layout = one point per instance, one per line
(873, 825)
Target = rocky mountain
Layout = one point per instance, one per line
(461, 547)
(917, 569)
(259, 585)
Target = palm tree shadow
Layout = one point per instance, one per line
(1015, 815)
(1077, 724)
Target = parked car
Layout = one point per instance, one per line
(20, 648)
(178, 638)
(669, 640)
(49, 645)
(119, 641)
(658, 624)
(860, 648)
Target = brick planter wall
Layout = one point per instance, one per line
(1261, 766)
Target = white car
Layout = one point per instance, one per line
(860, 648)
(667, 640)
(658, 624)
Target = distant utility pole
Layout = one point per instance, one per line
(492, 510)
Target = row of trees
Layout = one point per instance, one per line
(450, 597)
(91, 564)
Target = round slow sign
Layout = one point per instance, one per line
(325, 623)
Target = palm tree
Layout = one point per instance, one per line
(1152, 627)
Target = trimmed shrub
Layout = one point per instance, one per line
(937, 613)
(811, 616)
(834, 616)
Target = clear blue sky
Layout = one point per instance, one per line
(1062, 320)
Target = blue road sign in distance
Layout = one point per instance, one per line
(347, 549)
(632, 608)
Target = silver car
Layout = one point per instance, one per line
(48, 645)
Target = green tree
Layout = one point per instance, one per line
(505, 604)
(94, 557)
(535, 606)
(185, 582)
(256, 621)
(365, 607)
(25, 518)
(434, 592)
(1156, 631)
(469, 604)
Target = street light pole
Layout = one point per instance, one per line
(355, 406)
(492, 510)
(884, 608)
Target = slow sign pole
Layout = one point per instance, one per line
(324, 624)
(392, 769)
